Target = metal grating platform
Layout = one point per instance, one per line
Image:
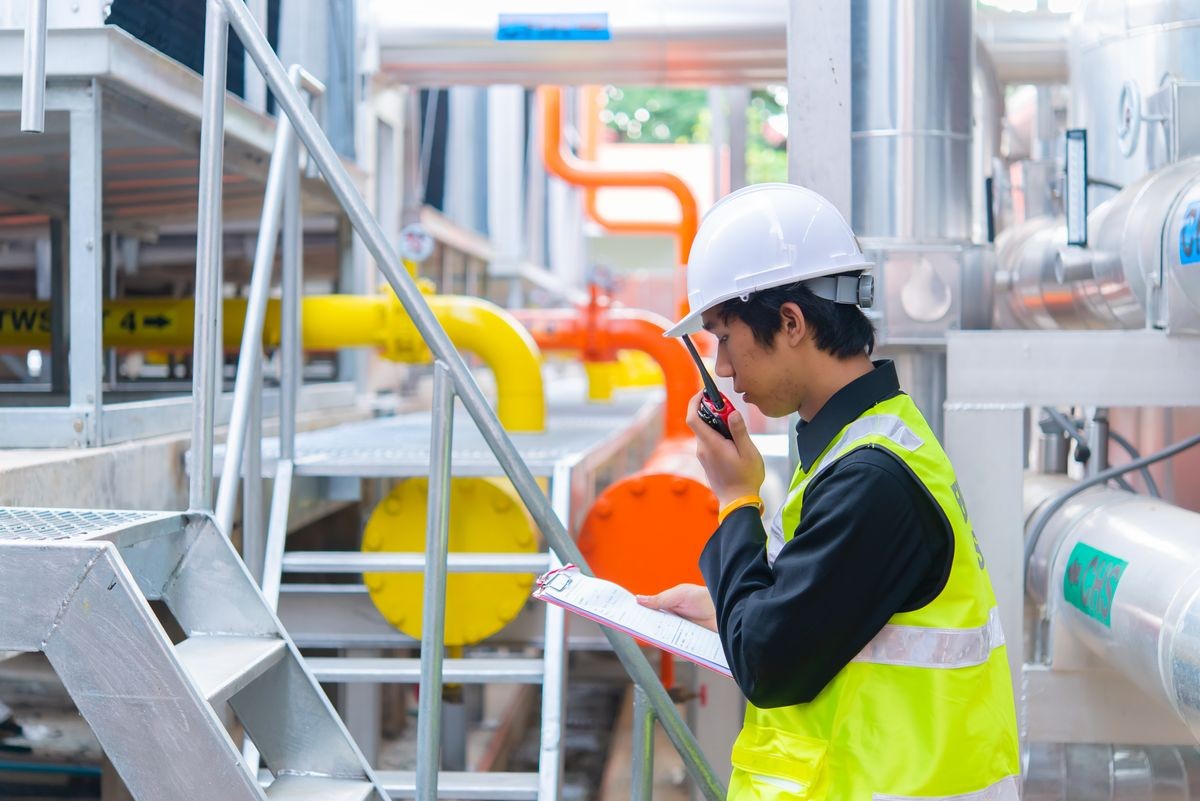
(398, 447)
(69, 524)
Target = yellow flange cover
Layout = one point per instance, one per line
(486, 516)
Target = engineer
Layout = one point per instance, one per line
(860, 624)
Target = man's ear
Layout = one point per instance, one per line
(794, 327)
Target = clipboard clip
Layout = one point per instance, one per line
(549, 576)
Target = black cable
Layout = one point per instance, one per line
(1048, 510)
(1071, 428)
(1082, 451)
(1151, 484)
(1094, 181)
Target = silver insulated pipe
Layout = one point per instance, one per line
(1122, 573)
(1078, 772)
(911, 118)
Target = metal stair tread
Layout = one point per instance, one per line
(465, 786)
(397, 562)
(318, 788)
(221, 665)
(529, 670)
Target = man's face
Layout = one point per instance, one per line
(760, 375)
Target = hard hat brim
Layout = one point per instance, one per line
(688, 325)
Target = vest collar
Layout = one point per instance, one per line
(847, 404)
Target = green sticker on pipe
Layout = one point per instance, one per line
(1091, 580)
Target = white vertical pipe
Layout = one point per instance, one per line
(33, 72)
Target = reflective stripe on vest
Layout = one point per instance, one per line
(916, 646)
(888, 426)
(1003, 790)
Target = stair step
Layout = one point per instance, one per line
(318, 788)
(465, 786)
(357, 562)
(404, 671)
(222, 665)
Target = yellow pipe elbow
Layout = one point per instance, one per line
(494, 336)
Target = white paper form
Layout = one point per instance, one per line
(611, 605)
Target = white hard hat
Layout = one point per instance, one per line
(769, 235)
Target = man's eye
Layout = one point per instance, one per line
(722, 340)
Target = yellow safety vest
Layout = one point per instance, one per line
(925, 711)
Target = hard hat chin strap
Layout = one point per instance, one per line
(854, 290)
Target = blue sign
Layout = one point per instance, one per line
(1189, 235)
(553, 28)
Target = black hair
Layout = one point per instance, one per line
(840, 329)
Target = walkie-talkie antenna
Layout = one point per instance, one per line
(710, 386)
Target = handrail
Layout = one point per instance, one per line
(378, 244)
(207, 329)
(283, 162)
(574, 171)
(433, 614)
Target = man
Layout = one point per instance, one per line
(862, 627)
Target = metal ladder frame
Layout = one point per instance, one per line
(452, 379)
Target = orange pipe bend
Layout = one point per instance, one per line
(598, 337)
(575, 171)
(588, 136)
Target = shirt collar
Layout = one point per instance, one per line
(846, 405)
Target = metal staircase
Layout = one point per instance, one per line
(579, 440)
(83, 580)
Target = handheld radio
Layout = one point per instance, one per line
(714, 408)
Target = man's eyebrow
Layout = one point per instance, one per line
(709, 327)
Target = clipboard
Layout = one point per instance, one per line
(614, 606)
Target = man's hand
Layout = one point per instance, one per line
(734, 467)
(690, 601)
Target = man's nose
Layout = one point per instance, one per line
(724, 368)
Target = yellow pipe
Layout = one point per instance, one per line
(495, 336)
(331, 322)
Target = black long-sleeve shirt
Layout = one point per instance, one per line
(871, 542)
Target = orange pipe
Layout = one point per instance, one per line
(588, 130)
(566, 166)
(598, 335)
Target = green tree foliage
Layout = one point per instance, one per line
(682, 116)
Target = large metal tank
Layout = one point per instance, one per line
(1115, 43)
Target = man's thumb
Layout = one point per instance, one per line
(652, 601)
(737, 427)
